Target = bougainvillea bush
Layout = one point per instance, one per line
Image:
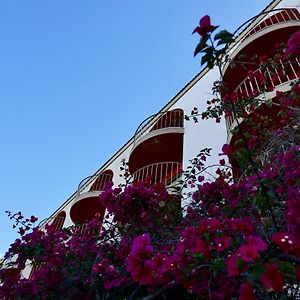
(237, 237)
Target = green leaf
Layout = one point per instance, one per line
(240, 263)
(214, 28)
(210, 64)
(198, 256)
(260, 201)
(257, 270)
(286, 268)
(225, 40)
(220, 52)
(218, 265)
(202, 45)
(222, 35)
(242, 157)
(208, 58)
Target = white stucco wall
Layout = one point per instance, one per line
(206, 133)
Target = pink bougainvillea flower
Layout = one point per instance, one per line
(272, 278)
(257, 241)
(234, 265)
(227, 150)
(141, 245)
(293, 44)
(201, 178)
(222, 243)
(33, 219)
(248, 252)
(204, 27)
(195, 196)
(246, 292)
(222, 162)
(242, 225)
(283, 240)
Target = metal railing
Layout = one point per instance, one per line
(57, 221)
(169, 119)
(35, 267)
(94, 183)
(274, 17)
(79, 228)
(264, 80)
(268, 19)
(163, 172)
(267, 79)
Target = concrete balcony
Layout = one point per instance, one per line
(271, 20)
(270, 30)
(86, 204)
(168, 122)
(158, 139)
(271, 80)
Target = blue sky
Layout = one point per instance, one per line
(76, 79)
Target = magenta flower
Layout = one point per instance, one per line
(272, 278)
(222, 243)
(285, 241)
(293, 44)
(233, 266)
(257, 241)
(227, 150)
(246, 292)
(141, 245)
(137, 264)
(248, 252)
(204, 27)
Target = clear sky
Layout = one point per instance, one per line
(76, 79)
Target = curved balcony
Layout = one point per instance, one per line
(167, 121)
(166, 173)
(274, 28)
(86, 203)
(93, 184)
(158, 139)
(270, 80)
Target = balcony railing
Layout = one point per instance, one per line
(35, 267)
(163, 172)
(265, 80)
(56, 221)
(79, 228)
(268, 19)
(169, 119)
(94, 183)
(273, 17)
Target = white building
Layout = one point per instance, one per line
(164, 143)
